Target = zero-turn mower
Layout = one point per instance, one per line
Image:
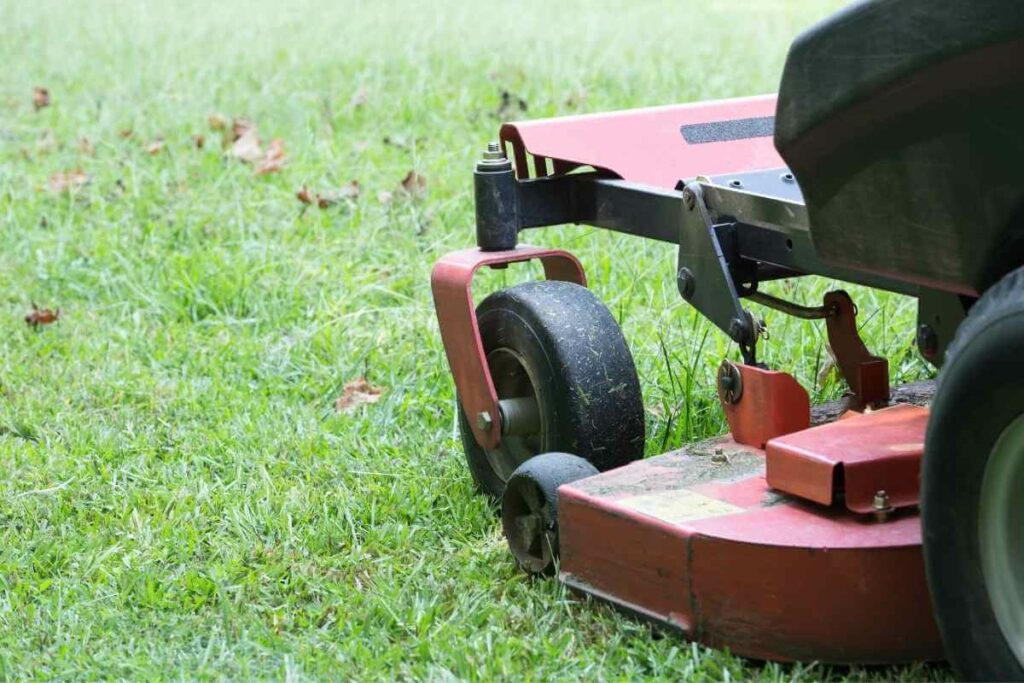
(885, 527)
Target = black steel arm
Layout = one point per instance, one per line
(730, 238)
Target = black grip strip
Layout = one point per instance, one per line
(723, 131)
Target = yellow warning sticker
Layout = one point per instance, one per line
(678, 506)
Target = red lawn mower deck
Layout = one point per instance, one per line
(698, 540)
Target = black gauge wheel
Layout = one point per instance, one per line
(565, 381)
(529, 508)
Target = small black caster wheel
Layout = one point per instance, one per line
(972, 489)
(565, 381)
(529, 508)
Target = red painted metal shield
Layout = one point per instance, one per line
(699, 541)
(451, 282)
(858, 456)
(648, 145)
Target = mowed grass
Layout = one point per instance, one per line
(179, 497)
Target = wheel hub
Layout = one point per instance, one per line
(1001, 534)
(515, 387)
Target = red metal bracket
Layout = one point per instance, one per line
(874, 458)
(451, 282)
(761, 404)
(867, 375)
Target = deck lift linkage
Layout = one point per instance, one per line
(797, 536)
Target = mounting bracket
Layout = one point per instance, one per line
(704, 278)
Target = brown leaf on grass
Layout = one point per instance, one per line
(359, 98)
(576, 97)
(47, 142)
(85, 146)
(240, 127)
(155, 147)
(385, 197)
(398, 141)
(356, 393)
(275, 158)
(125, 133)
(511, 106)
(217, 122)
(329, 197)
(352, 190)
(246, 146)
(414, 184)
(332, 197)
(199, 140)
(41, 316)
(68, 181)
(40, 98)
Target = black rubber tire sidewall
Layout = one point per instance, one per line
(979, 394)
(586, 380)
(547, 472)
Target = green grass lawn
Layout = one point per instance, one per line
(179, 495)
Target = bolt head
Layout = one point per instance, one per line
(494, 159)
(737, 330)
(730, 382)
(686, 282)
(484, 421)
(689, 198)
(927, 341)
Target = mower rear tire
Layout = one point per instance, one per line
(973, 489)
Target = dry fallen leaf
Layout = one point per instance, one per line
(85, 146)
(199, 140)
(42, 316)
(275, 158)
(384, 197)
(356, 393)
(511, 106)
(352, 190)
(331, 197)
(217, 122)
(246, 146)
(40, 98)
(155, 147)
(576, 97)
(125, 133)
(240, 127)
(68, 181)
(397, 141)
(414, 184)
(47, 142)
(359, 98)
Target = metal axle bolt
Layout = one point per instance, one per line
(687, 283)
(494, 159)
(927, 341)
(689, 198)
(730, 382)
(882, 506)
(484, 421)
